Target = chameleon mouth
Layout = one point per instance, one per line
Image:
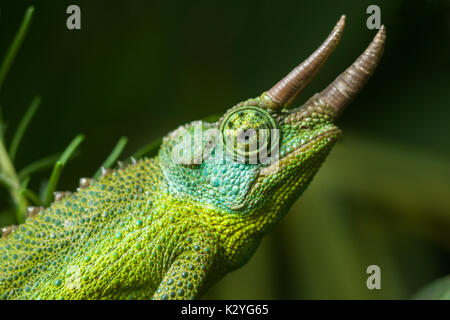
(330, 135)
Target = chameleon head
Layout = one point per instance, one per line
(257, 159)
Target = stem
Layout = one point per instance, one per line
(7, 170)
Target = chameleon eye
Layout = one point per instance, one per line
(247, 131)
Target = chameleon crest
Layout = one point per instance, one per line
(171, 226)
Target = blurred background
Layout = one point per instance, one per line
(141, 68)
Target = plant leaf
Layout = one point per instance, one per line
(31, 196)
(53, 181)
(148, 149)
(71, 149)
(38, 165)
(436, 290)
(23, 126)
(6, 182)
(2, 124)
(15, 45)
(57, 169)
(114, 155)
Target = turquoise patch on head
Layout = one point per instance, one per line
(215, 182)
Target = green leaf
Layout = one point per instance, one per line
(6, 182)
(148, 149)
(23, 126)
(114, 155)
(38, 165)
(57, 169)
(15, 45)
(33, 197)
(437, 290)
(71, 149)
(52, 183)
(2, 124)
(24, 183)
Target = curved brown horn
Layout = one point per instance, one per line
(288, 88)
(347, 85)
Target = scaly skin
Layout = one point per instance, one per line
(167, 230)
(129, 233)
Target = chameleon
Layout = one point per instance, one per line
(161, 228)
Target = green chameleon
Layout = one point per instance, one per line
(164, 229)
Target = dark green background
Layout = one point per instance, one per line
(141, 68)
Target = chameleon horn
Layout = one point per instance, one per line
(288, 88)
(347, 85)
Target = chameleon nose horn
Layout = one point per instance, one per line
(287, 89)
